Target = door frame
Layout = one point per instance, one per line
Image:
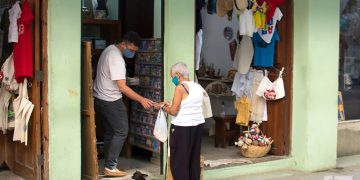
(44, 88)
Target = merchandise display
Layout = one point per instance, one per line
(254, 143)
(148, 67)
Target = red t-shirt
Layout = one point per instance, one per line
(23, 50)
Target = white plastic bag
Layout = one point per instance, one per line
(160, 129)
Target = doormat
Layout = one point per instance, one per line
(220, 162)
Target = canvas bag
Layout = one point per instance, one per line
(23, 108)
(160, 128)
(7, 74)
(206, 105)
(271, 90)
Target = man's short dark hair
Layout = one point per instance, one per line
(131, 37)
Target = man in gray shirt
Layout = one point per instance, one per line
(109, 87)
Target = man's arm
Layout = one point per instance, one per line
(146, 103)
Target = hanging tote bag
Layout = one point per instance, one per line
(271, 90)
(206, 105)
(7, 74)
(23, 108)
(160, 128)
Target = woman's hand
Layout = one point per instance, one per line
(157, 106)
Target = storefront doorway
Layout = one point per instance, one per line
(141, 151)
(218, 35)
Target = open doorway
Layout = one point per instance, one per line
(102, 26)
(220, 60)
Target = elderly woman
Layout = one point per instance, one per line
(186, 125)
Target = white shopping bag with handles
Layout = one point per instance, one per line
(160, 128)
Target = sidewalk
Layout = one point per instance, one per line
(348, 168)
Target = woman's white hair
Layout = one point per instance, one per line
(180, 68)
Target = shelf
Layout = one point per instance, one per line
(154, 113)
(139, 122)
(88, 21)
(148, 75)
(144, 147)
(147, 87)
(144, 135)
(215, 79)
(148, 51)
(148, 63)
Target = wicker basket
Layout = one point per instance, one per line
(255, 151)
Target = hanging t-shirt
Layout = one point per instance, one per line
(7, 48)
(14, 15)
(23, 50)
(264, 52)
(267, 34)
(246, 23)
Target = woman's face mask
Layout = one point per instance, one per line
(175, 80)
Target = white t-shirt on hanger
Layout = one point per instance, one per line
(267, 34)
(14, 15)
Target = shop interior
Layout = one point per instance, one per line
(217, 63)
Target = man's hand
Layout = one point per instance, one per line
(146, 103)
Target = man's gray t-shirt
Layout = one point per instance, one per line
(110, 68)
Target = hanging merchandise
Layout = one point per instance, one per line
(242, 85)
(228, 33)
(245, 55)
(7, 47)
(223, 7)
(258, 104)
(23, 108)
(259, 14)
(23, 50)
(267, 34)
(206, 105)
(246, 23)
(240, 6)
(198, 21)
(264, 52)
(211, 6)
(243, 107)
(198, 48)
(272, 5)
(232, 47)
(14, 15)
(7, 73)
(4, 101)
(272, 90)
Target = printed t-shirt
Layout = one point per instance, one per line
(264, 52)
(267, 34)
(23, 50)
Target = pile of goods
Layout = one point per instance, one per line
(254, 143)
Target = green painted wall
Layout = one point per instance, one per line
(179, 39)
(314, 117)
(64, 89)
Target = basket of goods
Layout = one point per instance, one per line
(254, 143)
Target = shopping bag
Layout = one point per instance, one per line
(160, 128)
(206, 106)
